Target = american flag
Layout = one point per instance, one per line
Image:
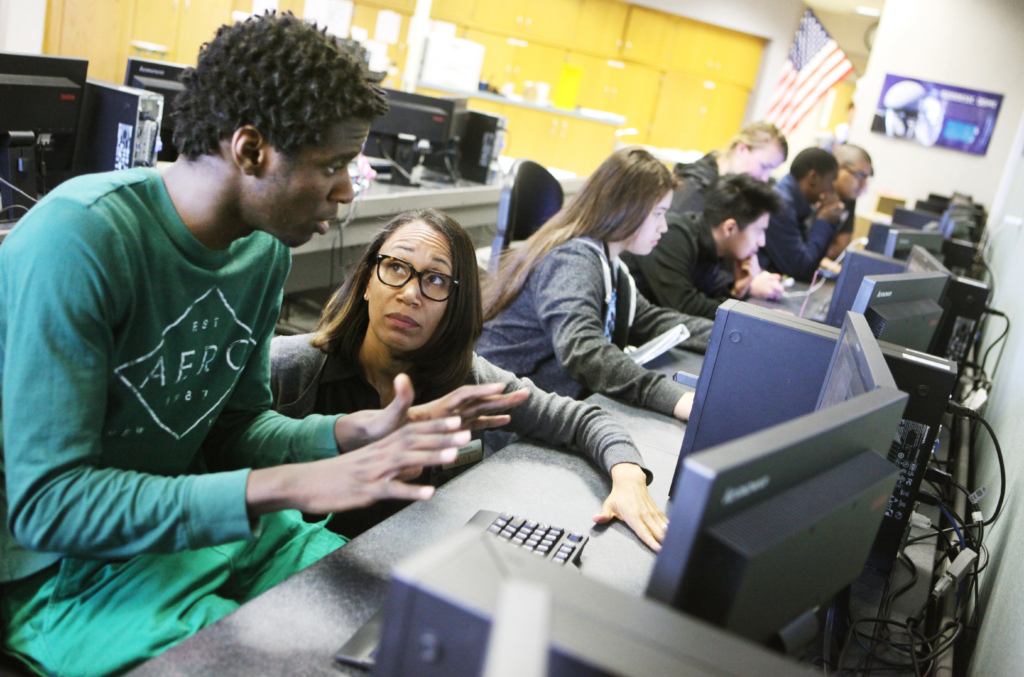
(814, 65)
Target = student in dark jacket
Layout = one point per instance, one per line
(684, 272)
(759, 148)
(799, 235)
(855, 169)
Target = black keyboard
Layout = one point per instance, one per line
(554, 543)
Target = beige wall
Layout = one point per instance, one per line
(21, 26)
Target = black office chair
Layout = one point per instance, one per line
(529, 197)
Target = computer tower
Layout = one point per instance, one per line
(963, 305)
(119, 128)
(483, 139)
(929, 382)
(960, 257)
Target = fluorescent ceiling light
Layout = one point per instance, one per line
(869, 11)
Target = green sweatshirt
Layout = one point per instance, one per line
(135, 378)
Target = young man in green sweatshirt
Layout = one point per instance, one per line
(146, 488)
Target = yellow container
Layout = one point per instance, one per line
(568, 88)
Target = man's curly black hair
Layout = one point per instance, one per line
(277, 73)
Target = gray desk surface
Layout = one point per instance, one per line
(296, 627)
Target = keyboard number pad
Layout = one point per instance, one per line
(543, 540)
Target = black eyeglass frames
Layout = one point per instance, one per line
(396, 273)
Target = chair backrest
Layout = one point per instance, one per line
(529, 197)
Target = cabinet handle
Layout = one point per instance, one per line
(529, 21)
(615, 90)
(711, 64)
(554, 127)
(519, 19)
(565, 128)
(618, 43)
(629, 44)
(187, 3)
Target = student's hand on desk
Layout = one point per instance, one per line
(360, 477)
(630, 501)
(767, 286)
(683, 407)
(476, 405)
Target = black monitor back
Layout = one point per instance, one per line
(761, 368)
(914, 218)
(857, 265)
(896, 241)
(443, 601)
(768, 526)
(425, 117)
(903, 308)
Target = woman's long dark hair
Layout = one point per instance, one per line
(443, 362)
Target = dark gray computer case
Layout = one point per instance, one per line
(119, 128)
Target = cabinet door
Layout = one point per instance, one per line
(601, 26)
(365, 17)
(539, 63)
(157, 21)
(583, 145)
(458, 11)
(727, 106)
(533, 135)
(648, 36)
(634, 91)
(507, 16)
(75, 35)
(200, 20)
(681, 114)
(692, 46)
(595, 83)
(552, 19)
(739, 58)
(397, 5)
(499, 57)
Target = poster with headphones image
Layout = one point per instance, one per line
(933, 114)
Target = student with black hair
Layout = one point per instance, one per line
(800, 233)
(684, 271)
(146, 487)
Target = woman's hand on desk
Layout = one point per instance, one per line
(683, 407)
(475, 405)
(630, 501)
(360, 477)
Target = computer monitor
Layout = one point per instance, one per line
(769, 526)
(923, 261)
(163, 78)
(447, 604)
(857, 365)
(415, 125)
(914, 218)
(857, 265)
(41, 99)
(761, 368)
(895, 241)
(903, 308)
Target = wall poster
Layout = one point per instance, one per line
(933, 114)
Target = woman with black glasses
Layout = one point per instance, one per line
(412, 307)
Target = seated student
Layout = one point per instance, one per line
(800, 233)
(562, 308)
(146, 488)
(759, 148)
(684, 270)
(413, 306)
(855, 169)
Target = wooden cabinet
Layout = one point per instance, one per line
(156, 21)
(365, 16)
(552, 139)
(648, 36)
(600, 26)
(716, 53)
(551, 19)
(517, 61)
(623, 88)
(198, 23)
(71, 31)
(456, 11)
(693, 113)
